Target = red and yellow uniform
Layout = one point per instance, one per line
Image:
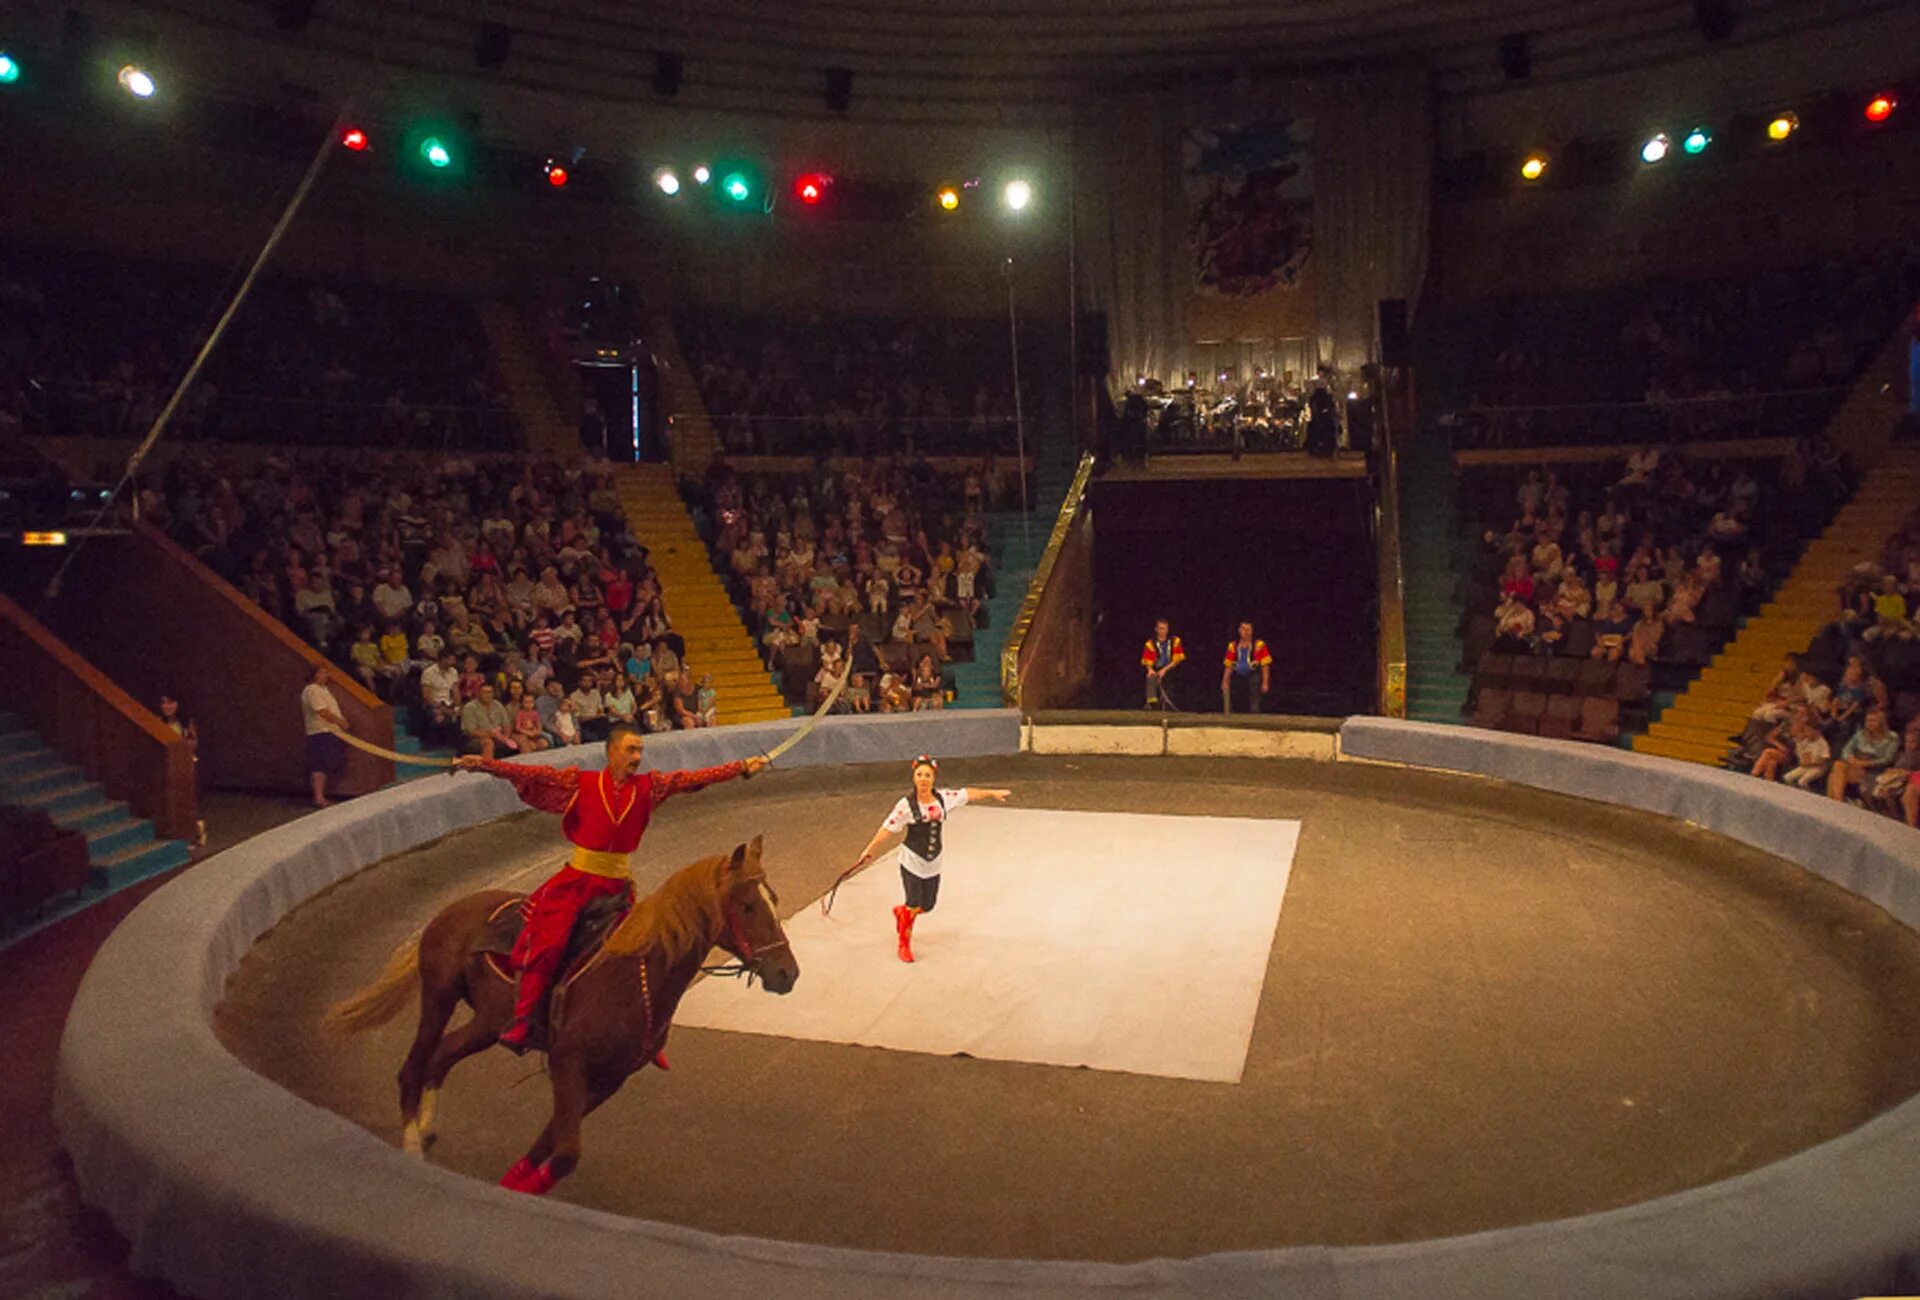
(604, 821)
(1257, 656)
(1150, 657)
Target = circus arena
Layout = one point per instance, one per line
(1024, 651)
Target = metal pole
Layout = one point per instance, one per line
(1019, 419)
(1073, 304)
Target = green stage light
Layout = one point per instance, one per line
(436, 153)
(9, 69)
(736, 187)
(1697, 140)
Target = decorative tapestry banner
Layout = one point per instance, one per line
(1250, 229)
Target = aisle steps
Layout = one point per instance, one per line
(529, 381)
(1432, 558)
(121, 847)
(696, 602)
(1016, 546)
(1716, 705)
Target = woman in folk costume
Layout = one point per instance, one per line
(922, 815)
(603, 815)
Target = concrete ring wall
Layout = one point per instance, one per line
(227, 1186)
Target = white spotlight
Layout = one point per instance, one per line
(1018, 194)
(668, 182)
(136, 82)
(701, 175)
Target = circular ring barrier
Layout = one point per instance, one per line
(228, 1186)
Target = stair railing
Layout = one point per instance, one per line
(95, 725)
(1391, 675)
(1011, 667)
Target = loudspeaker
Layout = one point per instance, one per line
(1396, 349)
(292, 15)
(1715, 18)
(839, 88)
(1516, 56)
(490, 47)
(668, 70)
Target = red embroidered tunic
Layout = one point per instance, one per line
(602, 820)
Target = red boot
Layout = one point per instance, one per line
(538, 1182)
(521, 1171)
(514, 1036)
(903, 925)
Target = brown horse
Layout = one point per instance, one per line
(609, 1021)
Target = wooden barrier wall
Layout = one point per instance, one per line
(96, 725)
(1056, 658)
(158, 620)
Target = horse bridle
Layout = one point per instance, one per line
(749, 956)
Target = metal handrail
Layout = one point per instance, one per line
(1392, 677)
(1022, 621)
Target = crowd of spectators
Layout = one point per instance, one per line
(852, 385)
(1755, 355)
(1640, 562)
(1843, 717)
(879, 562)
(503, 602)
(94, 345)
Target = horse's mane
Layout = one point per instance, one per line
(675, 917)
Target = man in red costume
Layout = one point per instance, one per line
(603, 815)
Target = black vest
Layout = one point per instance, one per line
(923, 837)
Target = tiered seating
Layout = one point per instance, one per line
(1557, 652)
(898, 553)
(92, 345)
(851, 385)
(527, 567)
(1668, 360)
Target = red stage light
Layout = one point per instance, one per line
(1881, 107)
(556, 175)
(354, 138)
(812, 187)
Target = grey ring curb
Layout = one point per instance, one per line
(228, 1186)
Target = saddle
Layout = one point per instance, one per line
(596, 921)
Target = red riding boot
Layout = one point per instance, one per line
(903, 925)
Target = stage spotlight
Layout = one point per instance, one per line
(1880, 108)
(556, 174)
(136, 82)
(1697, 140)
(1018, 194)
(1655, 149)
(9, 69)
(1782, 126)
(1533, 168)
(667, 181)
(812, 187)
(737, 187)
(948, 197)
(355, 139)
(702, 174)
(436, 153)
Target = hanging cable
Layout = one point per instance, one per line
(200, 359)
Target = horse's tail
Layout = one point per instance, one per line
(381, 1000)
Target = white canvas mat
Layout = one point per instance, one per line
(1116, 941)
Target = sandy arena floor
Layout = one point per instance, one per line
(1484, 1006)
